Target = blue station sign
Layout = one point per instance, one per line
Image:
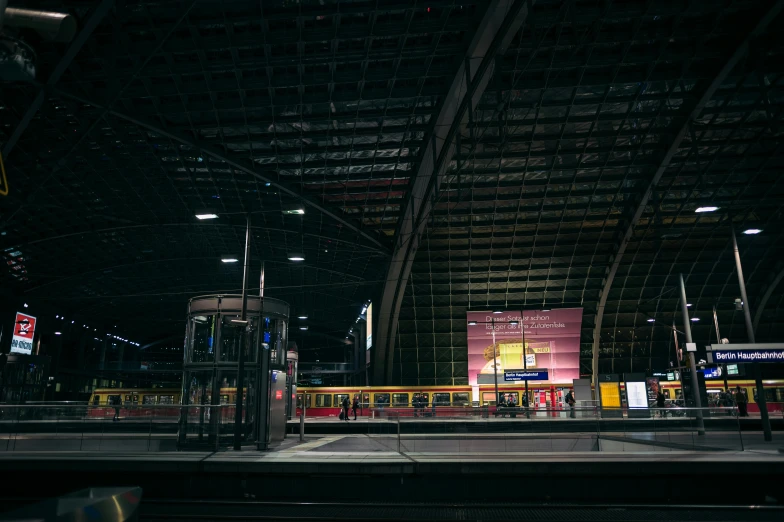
(533, 374)
(748, 356)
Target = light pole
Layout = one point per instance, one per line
(692, 364)
(245, 324)
(761, 402)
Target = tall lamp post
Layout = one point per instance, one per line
(761, 401)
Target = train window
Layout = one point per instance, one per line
(426, 396)
(308, 398)
(166, 399)
(399, 399)
(460, 399)
(113, 399)
(299, 400)
(510, 396)
(339, 399)
(148, 399)
(323, 400)
(381, 399)
(127, 398)
(441, 399)
(667, 394)
(488, 398)
(224, 399)
(96, 400)
(365, 400)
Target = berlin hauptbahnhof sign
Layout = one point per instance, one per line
(525, 375)
(746, 353)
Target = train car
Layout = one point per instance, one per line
(133, 400)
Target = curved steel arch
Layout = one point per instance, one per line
(765, 297)
(239, 165)
(733, 61)
(500, 23)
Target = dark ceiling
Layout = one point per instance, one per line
(601, 129)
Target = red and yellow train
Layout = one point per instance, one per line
(326, 401)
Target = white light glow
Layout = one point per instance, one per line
(651, 320)
(206, 216)
(303, 327)
(302, 317)
(707, 209)
(752, 231)
(57, 333)
(296, 258)
(295, 211)
(695, 319)
(229, 259)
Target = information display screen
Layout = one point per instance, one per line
(636, 395)
(611, 394)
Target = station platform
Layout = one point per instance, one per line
(347, 467)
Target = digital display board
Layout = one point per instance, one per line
(611, 394)
(636, 395)
(369, 328)
(732, 369)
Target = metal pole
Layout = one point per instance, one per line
(302, 421)
(761, 402)
(495, 362)
(718, 341)
(244, 346)
(692, 364)
(525, 354)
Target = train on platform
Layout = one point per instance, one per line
(326, 401)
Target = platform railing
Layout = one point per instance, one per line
(81, 427)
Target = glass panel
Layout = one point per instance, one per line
(203, 338)
(339, 399)
(148, 399)
(199, 388)
(166, 399)
(231, 339)
(308, 398)
(400, 399)
(381, 399)
(323, 400)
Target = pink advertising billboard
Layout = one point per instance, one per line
(549, 340)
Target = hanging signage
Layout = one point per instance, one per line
(369, 338)
(534, 374)
(24, 330)
(746, 353)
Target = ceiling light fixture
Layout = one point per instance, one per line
(471, 323)
(651, 320)
(303, 327)
(206, 216)
(294, 211)
(296, 257)
(229, 259)
(706, 209)
(752, 231)
(688, 305)
(695, 319)
(57, 333)
(498, 312)
(302, 317)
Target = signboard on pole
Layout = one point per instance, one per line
(24, 330)
(746, 353)
(531, 374)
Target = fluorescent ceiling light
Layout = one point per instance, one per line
(651, 320)
(688, 305)
(25, 305)
(229, 260)
(695, 319)
(57, 333)
(296, 257)
(752, 231)
(303, 327)
(302, 317)
(498, 312)
(707, 209)
(295, 211)
(206, 216)
(471, 323)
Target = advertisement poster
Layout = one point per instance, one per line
(653, 388)
(24, 330)
(546, 340)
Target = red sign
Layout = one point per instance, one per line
(24, 330)
(278, 394)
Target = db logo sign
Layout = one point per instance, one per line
(25, 326)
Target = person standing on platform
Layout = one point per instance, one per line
(345, 408)
(525, 405)
(660, 402)
(741, 401)
(728, 402)
(355, 406)
(116, 403)
(571, 402)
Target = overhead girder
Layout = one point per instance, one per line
(240, 164)
(692, 113)
(501, 21)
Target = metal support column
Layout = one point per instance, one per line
(245, 342)
(761, 402)
(692, 364)
(718, 341)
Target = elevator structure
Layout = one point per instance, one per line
(215, 338)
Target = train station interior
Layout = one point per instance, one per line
(478, 260)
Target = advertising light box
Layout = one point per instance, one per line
(636, 395)
(514, 340)
(24, 331)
